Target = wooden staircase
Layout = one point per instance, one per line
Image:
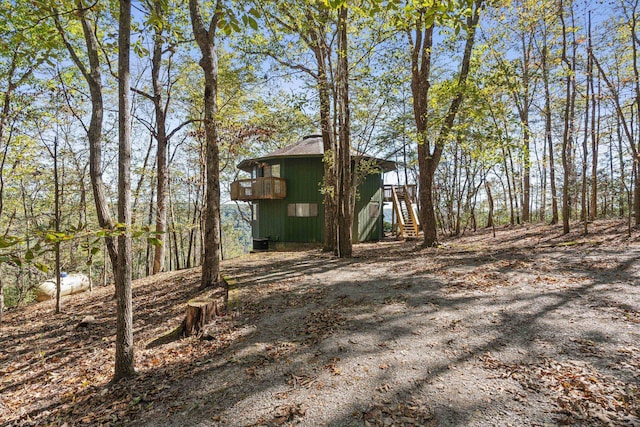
(403, 198)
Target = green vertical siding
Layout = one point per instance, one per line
(304, 178)
(366, 228)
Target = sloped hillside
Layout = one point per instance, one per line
(527, 327)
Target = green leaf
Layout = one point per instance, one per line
(252, 23)
(154, 241)
(42, 267)
(8, 241)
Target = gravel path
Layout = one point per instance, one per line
(481, 332)
(525, 328)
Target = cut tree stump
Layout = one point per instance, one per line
(200, 311)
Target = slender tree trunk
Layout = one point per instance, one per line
(526, 186)
(147, 269)
(344, 173)
(622, 185)
(636, 193)
(584, 214)
(93, 78)
(174, 232)
(622, 123)
(566, 136)
(56, 206)
(206, 39)
(635, 41)
(452, 197)
(124, 312)
(524, 118)
(1, 300)
(510, 194)
(490, 202)
(161, 137)
(542, 165)
(514, 184)
(595, 99)
(548, 136)
(192, 233)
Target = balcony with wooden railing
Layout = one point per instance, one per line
(259, 189)
(409, 189)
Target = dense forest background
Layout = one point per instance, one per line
(546, 130)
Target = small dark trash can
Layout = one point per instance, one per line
(260, 244)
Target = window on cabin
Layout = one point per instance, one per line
(264, 170)
(302, 209)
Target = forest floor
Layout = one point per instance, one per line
(529, 327)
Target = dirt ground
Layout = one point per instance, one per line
(525, 328)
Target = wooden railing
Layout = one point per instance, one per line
(259, 188)
(396, 206)
(408, 222)
(411, 196)
(409, 188)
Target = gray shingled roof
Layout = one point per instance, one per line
(309, 146)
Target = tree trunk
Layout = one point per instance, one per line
(148, 268)
(635, 41)
(514, 185)
(344, 173)
(595, 99)
(548, 137)
(490, 201)
(584, 214)
(1, 300)
(509, 194)
(524, 118)
(56, 206)
(636, 194)
(176, 250)
(420, 85)
(566, 136)
(322, 53)
(623, 184)
(206, 39)
(161, 137)
(526, 187)
(93, 78)
(124, 312)
(329, 180)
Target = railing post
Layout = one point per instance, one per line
(396, 204)
(409, 202)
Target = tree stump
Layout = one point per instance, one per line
(200, 311)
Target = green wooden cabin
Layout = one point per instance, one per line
(288, 209)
